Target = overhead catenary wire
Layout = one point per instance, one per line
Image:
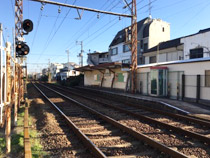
(84, 26)
(124, 12)
(53, 26)
(38, 22)
(57, 30)
(102, 31)
(13, 10)
(196, 14)
(111, 26)
(91, 25)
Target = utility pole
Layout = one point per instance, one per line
(1, 72)
(8, 98)
(67, 51)
(134, 46)
(81, 53)
(15, 81)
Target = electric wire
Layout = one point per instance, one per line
(13, 10)
(57, 30)
(53, 26)
(196, 14)
(91, 24)
(38, 22)
(103, 30)
(112, 25)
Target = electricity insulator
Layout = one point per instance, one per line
(119, 17)
(22, 49)
(98, 16)
(59, 10)
(28, 25)
(42, 7)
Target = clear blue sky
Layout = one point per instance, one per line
(54, 33)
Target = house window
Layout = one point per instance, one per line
(196, 53)
(152, 59)
(126, 47)
(126, 61)
(97, 77)
(145, 46)
(141, 44)
(114, 51)
(129, 37)
(163, 29)
(207, 78)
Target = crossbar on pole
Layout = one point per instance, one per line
(82, 8)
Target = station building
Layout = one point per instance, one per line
(177, 69)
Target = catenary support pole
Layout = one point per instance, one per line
(8, 99)
(134, 47)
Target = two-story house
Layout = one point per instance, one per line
(97, 58)
(150, 33)
(55, 68)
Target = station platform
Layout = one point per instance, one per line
(189, 108)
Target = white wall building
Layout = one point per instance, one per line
(150, 33)
(55, 68)
(197, 45)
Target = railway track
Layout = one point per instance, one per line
(183, 121)
(182, 137)
(103, 135)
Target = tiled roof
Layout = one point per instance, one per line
(99, 67)
(165, 45)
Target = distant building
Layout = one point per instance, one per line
(71, 65)
(98, 58)
(45, 72)
(55, 68)
(67, 71)
(150, 33)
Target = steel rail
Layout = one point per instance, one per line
(146, 118)
(177, 116)
(132, 132)
(87, 142)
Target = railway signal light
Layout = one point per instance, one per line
(22, 49)
(27, 25)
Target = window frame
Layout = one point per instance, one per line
(194, 54)
(152, 57)
(114, 49)
(128, 46)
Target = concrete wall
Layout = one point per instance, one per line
(175, 71)
(197, 41)
(90, 79)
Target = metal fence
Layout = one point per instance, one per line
(179, 86)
